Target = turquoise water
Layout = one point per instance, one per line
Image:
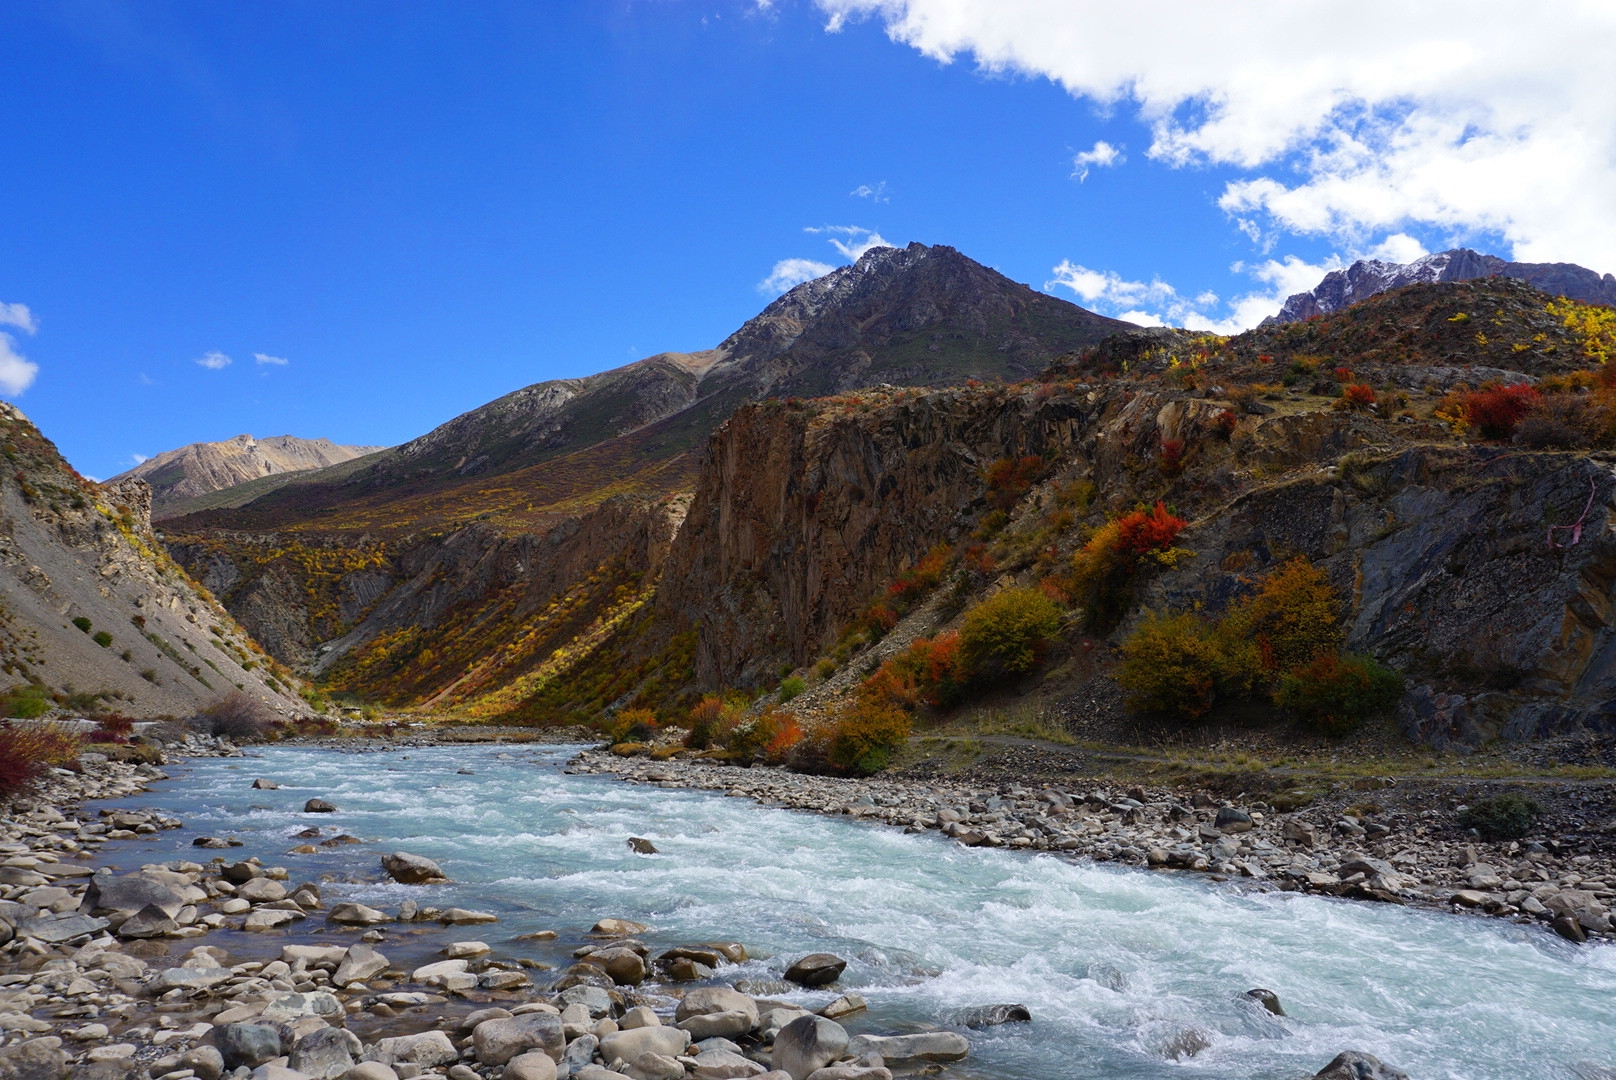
(1115, 964)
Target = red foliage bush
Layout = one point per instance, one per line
(1343, 374)
(1496, 411)
(1171, 460)
(979, 559)
(1224, 424)
(920, 578)
(1008, 479)
(1358, 395)
(113, 728)
(28, 751)
(1142, 531)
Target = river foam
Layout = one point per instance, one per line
(1119, 966)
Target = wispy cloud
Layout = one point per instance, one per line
(17, 372)
(857, 239)
(147, 380)
(789, 273)
(265, 358)
(19, 316)
(139, 459)
(875, 192)
(1103, 156)
(214, 360)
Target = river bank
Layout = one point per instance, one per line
(301, 934)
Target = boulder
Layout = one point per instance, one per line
(683, 970)
(261, 784)
(205, 1061)
(370, 1070)
(456, 916)
(994, 1015)
(246, 1044)
(407, 869)
(625, 966)
(851, 1072)
(655, 1067)
(185, 978)
(530, 1067)
(1268, 1000)
(351, 914)
(637, 1017)
(816, 969)
(269, 919)
(318, 806)
(33, 1059)
(466, 950)
(149, 922)
(313, 954)
(289, 1007)
(716, 1001)
(1232, 819)
(724, 1065)
(436, 973)
(629, 1045)
(846, 1005)
(426, 1048)
(361, 963)
(1299, 832)
(497, 1041)
(927, 1046)
(327, 1052)
(593, 998)
(641, 846)
(133, 892)
(261, 890)
(618, 928)
(807, 1044)
(1353, 1065)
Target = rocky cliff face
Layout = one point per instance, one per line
(179, 476)
(92, 610)
(1367, 277)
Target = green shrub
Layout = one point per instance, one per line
(1503, 817)
(1007, 632)
(83, 623)
(25, 702)
(1178, 665)
(791, 686)
(1337, 693)
(103, 639)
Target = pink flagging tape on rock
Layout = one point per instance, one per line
(1575, 528)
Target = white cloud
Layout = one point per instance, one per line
(789, 273)
(140, 459)
(1103, 156)
(265, 358)
(1350, 118)
(876, 193)
(1156, 303)
(19, 316)
(16, 371)
(858, 239)
(214, 360)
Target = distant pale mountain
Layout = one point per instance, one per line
(1366, 277)
(178, 476)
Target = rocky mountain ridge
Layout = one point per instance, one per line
(1367, 277)
(179, 477)
(93, 614)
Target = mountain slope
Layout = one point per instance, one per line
(1367, 277)
(91, 610)
(177, 476)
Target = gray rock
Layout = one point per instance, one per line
(629, 1045)
(327, 1052)
(133, 892)
(33, 1059)
(1353, 1065)
(928, 1046)
(361, 963)
(112, 1069)
(1232, 819)
(427, 1048)
(1268, 1000)
(261, 784)
(535, 1066)
(290, 1007)
(370, 1070)
(816, 969)
(593, 998)
(205, 1061)
(351, 914)
(716, 1010)
(655, 1067)
(242, 872)
(724, 1065)
(625, 966)
(993, 1015)
(318, 806)
(846, 1005)
(497, 1041)
(806, 1044)
(407, 869)
(580, 1052)
(261, 890)
(188, 978)
(247, 1045)
(54, 930)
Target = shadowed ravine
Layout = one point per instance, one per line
(1115, 964)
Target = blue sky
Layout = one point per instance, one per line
(413, 208)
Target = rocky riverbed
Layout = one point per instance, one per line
(114, 976)
(1397, 857)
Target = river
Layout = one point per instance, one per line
(1115, 964)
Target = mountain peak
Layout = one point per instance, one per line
(1366, 277)
(199, 469)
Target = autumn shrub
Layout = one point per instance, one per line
(25, 702)
(1006, 633)
(1103, 569)
(706, 723)
(863, 738)
(920, 579)
(1567, 422)
(1337, 693)
(1170, 459)
(1294, 615)
(1496, 411)
(29, 751)
(783, 741)
(1357, 396)
(112, 728)
(769, 736)
(791, 686)
(1224, 423)
(1509, 816)
(1008, 479)
(1143, 532)
(633, 725)
(931, 671)
(236, 715)
(1179, 665)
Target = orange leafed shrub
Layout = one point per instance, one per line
(1142, 531)
(931, 671)
(1008, 479)
(783, 739)
(1294, 616)
(863, 738)
(1496, 411)
(922, 577)
(979, 559)
(1358, 395)
(711, 720)
(28, 751)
